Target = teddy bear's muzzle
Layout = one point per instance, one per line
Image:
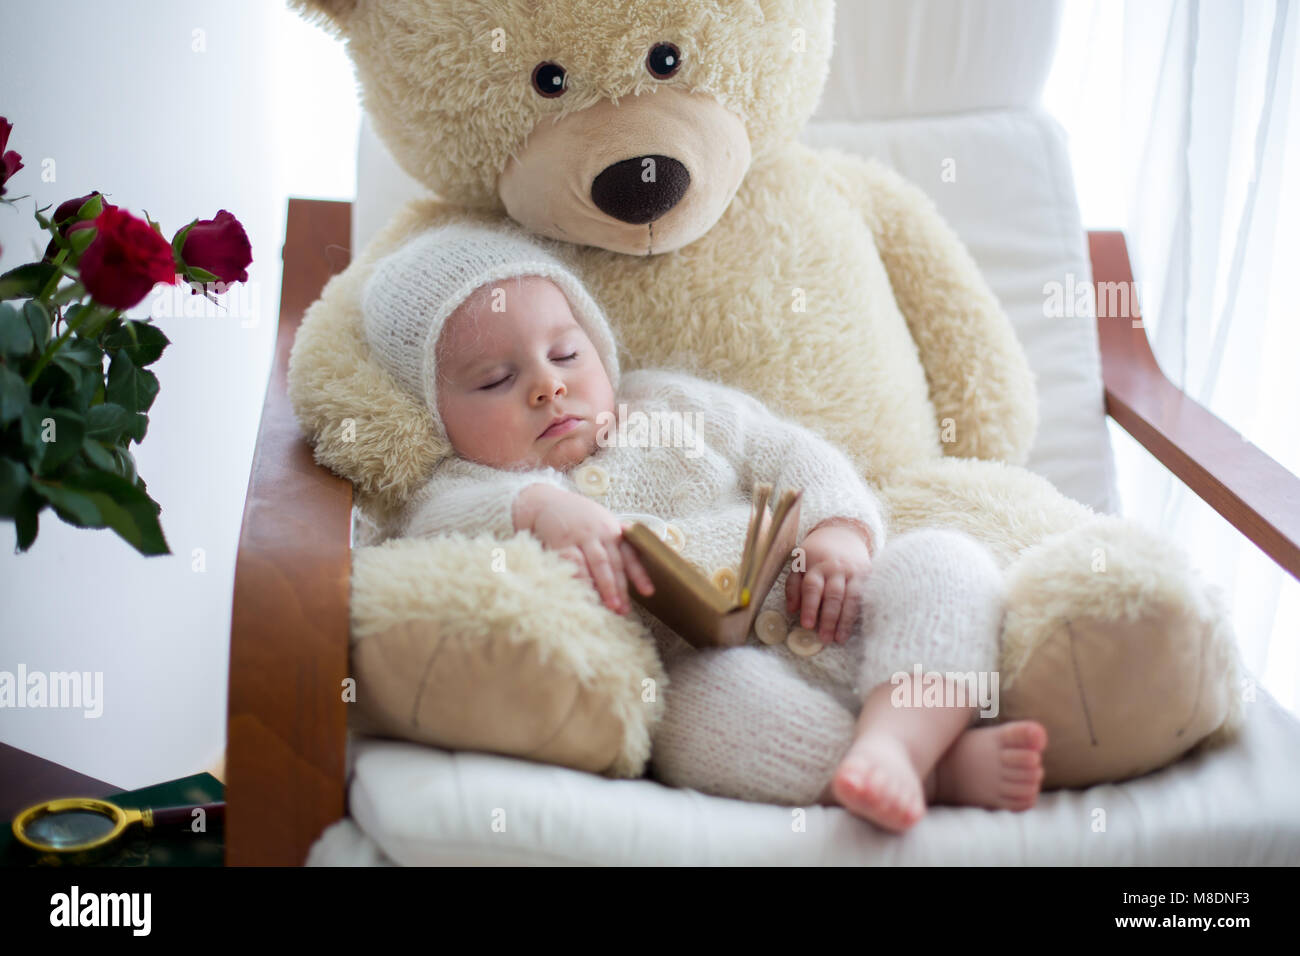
(642, 176)
(641, 189)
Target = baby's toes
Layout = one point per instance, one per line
(901, 797)
(912, 806)
(857, 780)
(1019, 789)
(1019, 799)
(1024, 735)
(1020, 759)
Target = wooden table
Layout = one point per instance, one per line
(26, 779)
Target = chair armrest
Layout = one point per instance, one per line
(1256, 494)
(286, 731)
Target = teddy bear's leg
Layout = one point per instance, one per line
(482, 644)
(740, 723)
(1125, 650)
(1112, 641)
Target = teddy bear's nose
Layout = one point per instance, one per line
(641, 189)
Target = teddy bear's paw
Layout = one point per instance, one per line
(1120, 649)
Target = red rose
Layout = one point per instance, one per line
(220, 246)
(125, 260)
(10, 162)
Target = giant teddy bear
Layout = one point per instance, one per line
(653, 145)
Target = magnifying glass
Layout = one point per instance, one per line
(79, 830)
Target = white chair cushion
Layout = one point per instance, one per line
(419, 806)
(1013, 204)
(921, 57)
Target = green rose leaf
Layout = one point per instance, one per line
(13, 395)
(14, 480)
(27, 281)
(65, 438)
(72, 506)
(138, 427)
(69, 293)
(82, 352)
(126, 465)
(98, 455)
(38, 320)
(92, 321)
(51, 436)
(131, 387)
(64, 383)
(143, 342)
(27, 518)
(56, 386)
(15, 334)
(31, 427)
(92, 383)
(37, 316)
(119, 505)
(106, 423)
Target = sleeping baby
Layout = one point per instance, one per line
(827, 702)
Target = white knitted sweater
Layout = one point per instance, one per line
(703, 487)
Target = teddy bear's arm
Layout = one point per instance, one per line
(361, 425)
(979, 376)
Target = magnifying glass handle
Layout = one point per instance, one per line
(183, 818)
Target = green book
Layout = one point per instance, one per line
(138, 847)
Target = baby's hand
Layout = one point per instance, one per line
(588, 534)
(837, 566)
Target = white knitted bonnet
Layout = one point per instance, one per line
(411, 293)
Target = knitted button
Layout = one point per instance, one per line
(804, 642)
(724, 579)
(674, 537)
(771, 627)
(592, 480)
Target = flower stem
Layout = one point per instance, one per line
(58, 274)
(54, 346)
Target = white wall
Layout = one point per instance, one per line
(180, 110)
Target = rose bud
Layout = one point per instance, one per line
(125, 260)
(11, 161)
(65, 217)
(69, 209)
(219, 246)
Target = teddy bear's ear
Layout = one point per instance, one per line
(331, 14)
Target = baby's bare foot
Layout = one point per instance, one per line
(876, 780)
(996, 767)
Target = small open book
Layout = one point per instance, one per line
(689, 602)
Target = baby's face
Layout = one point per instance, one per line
(511, 359)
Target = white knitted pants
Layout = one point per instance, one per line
(748, 723)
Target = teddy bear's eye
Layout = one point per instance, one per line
(663, 60)
(548, 79)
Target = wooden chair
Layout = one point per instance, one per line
(287, 721)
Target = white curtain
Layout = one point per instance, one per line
(1184, 119)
